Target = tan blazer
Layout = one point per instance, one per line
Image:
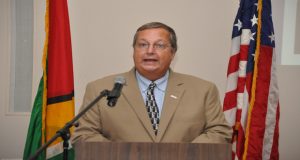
(191, 113)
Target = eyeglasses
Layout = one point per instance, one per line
(157, 46)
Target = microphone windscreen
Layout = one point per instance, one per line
(120, 80)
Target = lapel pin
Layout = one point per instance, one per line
(173, 96)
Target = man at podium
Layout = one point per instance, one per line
(156, 103)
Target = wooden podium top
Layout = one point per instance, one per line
(151, 151)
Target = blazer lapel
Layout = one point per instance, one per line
(133, 96)
(173, 96)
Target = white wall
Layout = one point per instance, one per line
(102, 33)
(289, 143)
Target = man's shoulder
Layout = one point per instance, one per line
(193, 83)
(191, 79)
(109, 79)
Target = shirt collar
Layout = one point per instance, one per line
(161, 83)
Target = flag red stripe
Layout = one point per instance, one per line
(233, 64)
(249, 79)
(60, 72)
(241, 84)
(236, 58)
(240, 143)
(230, 100)
(244, 52)
(257, 121)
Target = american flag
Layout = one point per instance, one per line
(251, 103)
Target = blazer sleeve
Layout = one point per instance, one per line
(90, 127)
(216, 129)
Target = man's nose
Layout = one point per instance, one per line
(151, 49)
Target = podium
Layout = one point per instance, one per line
(151, 151)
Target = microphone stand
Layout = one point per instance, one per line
(64, 132)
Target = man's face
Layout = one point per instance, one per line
(153, 53)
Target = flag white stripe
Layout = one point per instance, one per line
(244, 115)
(246, 35)
(56, 149)
(230, 116)
(235, 45)
(232, 81)
(240, 100)
(242, 68)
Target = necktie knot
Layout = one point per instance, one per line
(152, 85)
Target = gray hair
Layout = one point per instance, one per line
(151, 25)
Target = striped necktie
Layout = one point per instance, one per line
(152, 107)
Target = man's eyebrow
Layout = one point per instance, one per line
(142, 40)
(157, 41)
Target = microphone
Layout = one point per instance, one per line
(116, 91)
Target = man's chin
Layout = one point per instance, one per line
(150, 69)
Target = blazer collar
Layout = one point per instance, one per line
(173, 95)
(135, 100)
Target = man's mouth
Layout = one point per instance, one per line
(150, 60)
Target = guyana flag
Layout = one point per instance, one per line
(54, 102)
